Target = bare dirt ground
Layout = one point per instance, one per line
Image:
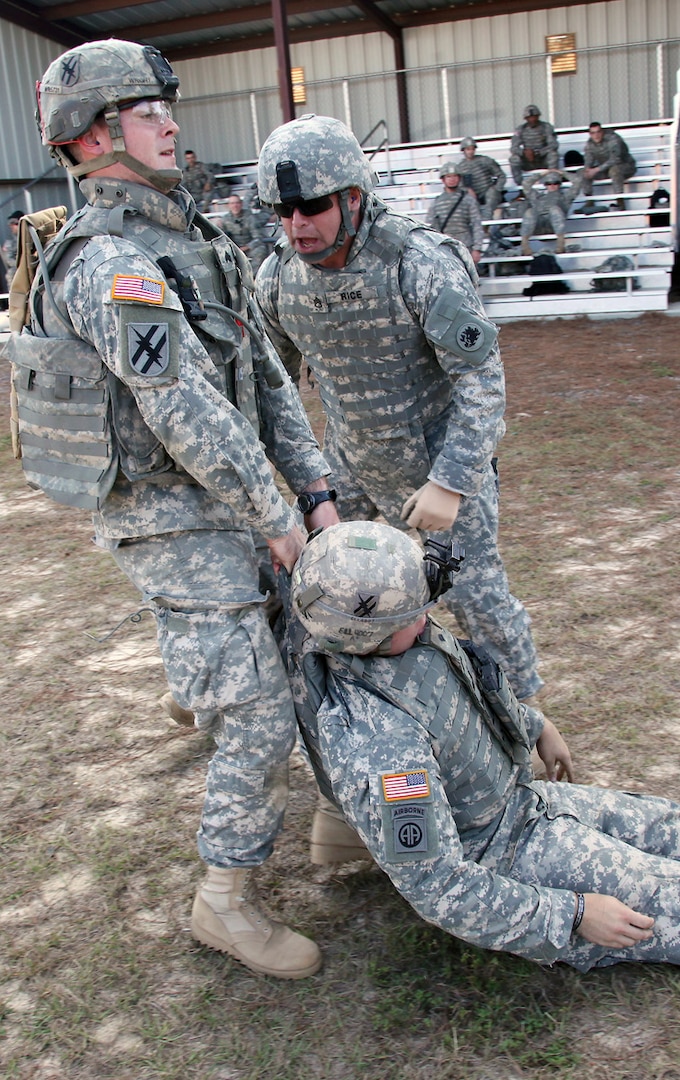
(101, 793)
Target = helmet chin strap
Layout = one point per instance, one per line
(163, 179)
(346, 229)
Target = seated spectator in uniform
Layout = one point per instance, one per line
(243, 228)
(197, 179)
(482, 175)
(533, 145)
(456, 212)
(425, 753)
(606, 154)
(547, 206)
(9, 248)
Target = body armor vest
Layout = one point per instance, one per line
(478, 736)
(78, 423)
(373, 364)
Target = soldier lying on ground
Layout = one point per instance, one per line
(421, 744)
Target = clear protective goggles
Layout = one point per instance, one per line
(149, 111)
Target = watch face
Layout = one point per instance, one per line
(306, 503)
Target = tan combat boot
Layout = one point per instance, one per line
(226, 917)
(333, 840)
(185, 717)
(559, 244)
(526, 246)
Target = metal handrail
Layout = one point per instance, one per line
(385, 142)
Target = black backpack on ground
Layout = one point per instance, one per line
(543, 266)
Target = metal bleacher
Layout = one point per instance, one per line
(409, 180)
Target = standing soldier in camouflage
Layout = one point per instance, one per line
(198, 180)
(242, 227)
(456, 212)
(481, 174)
(386, 314)
(606, 154)
(547, 206)
(533, 145)
(426, 754)
(142, 396)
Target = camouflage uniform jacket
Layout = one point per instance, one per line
(438, 791)
(195, 178)
(480, 173)
(541, 139)
(397, 337)
(187, 399)
(456, 213)
(611, 151)
(243, 230)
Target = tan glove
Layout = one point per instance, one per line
(431, 508)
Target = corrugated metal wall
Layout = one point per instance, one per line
(474, 76)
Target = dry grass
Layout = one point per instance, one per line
(101, 794)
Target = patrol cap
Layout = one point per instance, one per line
(532, 110)
(311, 157)
(449, 168)
(467, 141)
(86, 80)
(357, 583)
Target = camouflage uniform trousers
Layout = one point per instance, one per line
(221, 661)
(611, 842)
(508, 886)
(616, 173)
(534, 220)
(481, 601)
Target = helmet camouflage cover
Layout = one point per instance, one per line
(449, 168)
(357, 583)
(310, 157)
(532, 110)
(83, 82)
(467, 141)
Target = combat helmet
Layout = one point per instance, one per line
(467, 141)
(448, 168)
(308, 159)
(532, 110)
(97, 78)
(357, 583)
(553, 177)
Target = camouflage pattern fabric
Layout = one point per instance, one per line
(464, 224)
(611, 157)
(221, 661)
(182, 530)
(542, 140)
(194, 179)
(486, 178)
(374, 340)
(547, 211)
(392, 760)
(245, 230)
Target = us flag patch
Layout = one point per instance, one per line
(130, 287)
(406, 785)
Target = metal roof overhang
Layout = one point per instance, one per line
(188, 29)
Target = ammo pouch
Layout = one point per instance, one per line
(63, 402)
(497, 692)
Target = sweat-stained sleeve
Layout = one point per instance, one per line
(153, 350)
(422, 853)
(437, 280)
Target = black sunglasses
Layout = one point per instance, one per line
(307, 207)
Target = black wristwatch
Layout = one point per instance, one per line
(309, 500)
